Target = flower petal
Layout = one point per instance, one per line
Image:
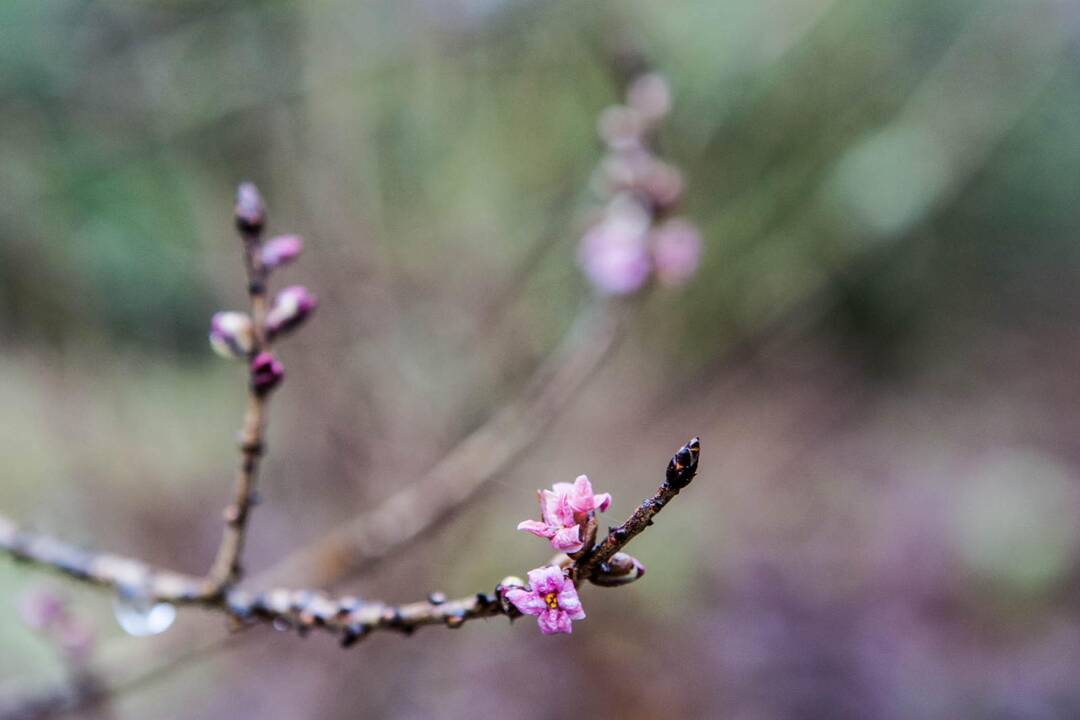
(547, 579)
(537, 528)
(527, 602)
(568, 598)
(568, 540)
(601, 501)
(554, 621)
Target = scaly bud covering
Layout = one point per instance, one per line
(281, 250)
(232, 334)
(683, 466)
(250, 210)
(291, 307)
(266, 373)
(621, 569)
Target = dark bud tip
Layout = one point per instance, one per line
(250, 210)
(683, 466)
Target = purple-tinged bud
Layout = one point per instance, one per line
(291, 307)
(77, 638)
(676, 251)
(621, 569)
(250, 210)
(614, 253)
(663, 184)
(266, 373)
(620, 127)
(232, 334)
(650, 96)
(281, 250)
(42, 608)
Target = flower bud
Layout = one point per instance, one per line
(620, 127)
(683, 466)
(42, 608)
(291, 307)
(614, 253)
(650, 96)
(676, 246)
(266, 373)
(281, 250)
(621, 569)
(232, 334)
(250, 210)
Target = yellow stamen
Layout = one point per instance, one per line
(552, 600)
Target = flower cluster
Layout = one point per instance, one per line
(564, 511)
(236, 335)
(632, 239)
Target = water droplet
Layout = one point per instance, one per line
(139, 616)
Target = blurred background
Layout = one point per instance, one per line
(879, 352)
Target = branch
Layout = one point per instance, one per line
(348, 618)
(226, 569)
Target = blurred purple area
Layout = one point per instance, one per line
(879, 351)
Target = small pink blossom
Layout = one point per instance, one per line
(614, 253)
(551, 597)
(563, 509)
(676, 251)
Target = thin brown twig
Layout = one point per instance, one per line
(226, 569)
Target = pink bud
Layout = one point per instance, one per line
(620, 127)
(291, 307)
(676, 251)
(650, 95)
(281, 250)
(232, 334)
(614, 253)
(250, 210)
(42, 608)
(77, 638)
(266, 373)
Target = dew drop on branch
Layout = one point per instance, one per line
(139, 616)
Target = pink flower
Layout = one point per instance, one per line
(676, 251)
(614, 253)
(552, 598)
(562, 510)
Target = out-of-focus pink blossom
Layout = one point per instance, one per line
(281, 250)
(41, 608)
(614, 253)
(250, 210)
(563, 509)
(676, 251)
(620, 127)
(551, 597)
(290, 308)
(650, 96)
(266, 372)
